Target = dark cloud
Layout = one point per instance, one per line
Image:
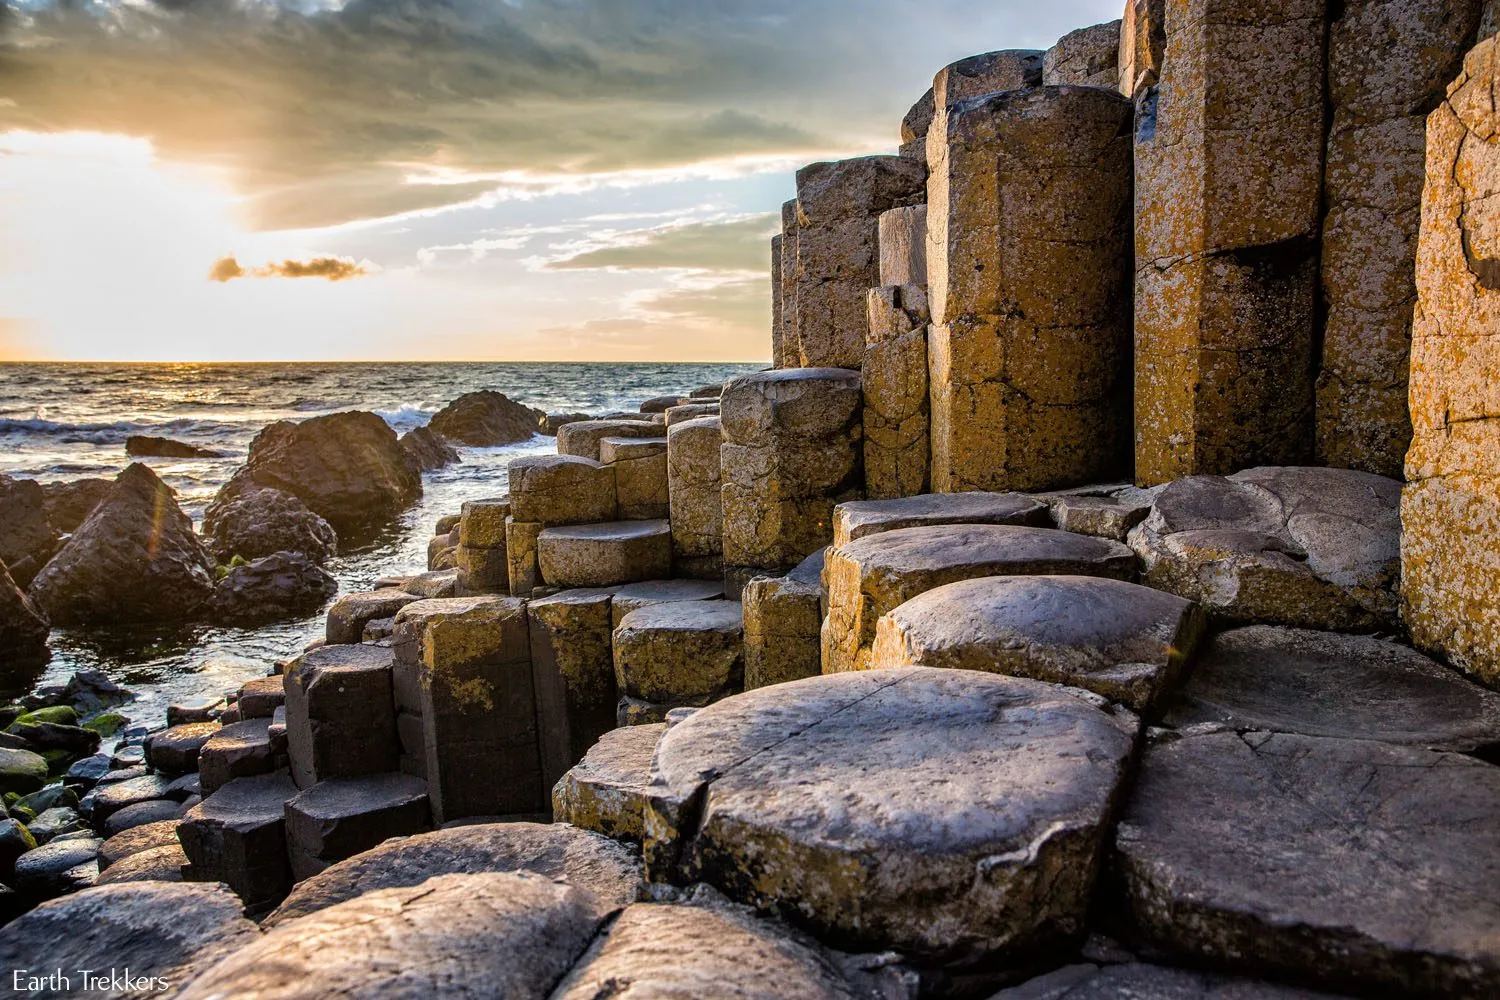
(322, 111)
(328, 268)
(740, 245)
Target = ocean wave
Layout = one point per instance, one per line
(117, 431)
(407, 417)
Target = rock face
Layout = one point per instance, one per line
(349, 468)
(486, 419)
(23, 633)
(338, 819)
(146, 446)
(427, 448)
(340, 714)
(1120, 640)
(136, 558)
(1313, 548)
(1451, 510)
(693, 487)
(837, 256)
(783, 625)
(463, 936)
(1343, 686)
(1143, 45)
(238, 836)
(1229, 184)
(1029, 222)
(606, 791)
(862, 805)
(69, 504)
(275, 588)
(897, 415)
(158, 930)
(876, 574)
(791, 453)
(27, 538)
(1088, 57)
(1388, 65)
(573, 675)
(594, 863)
(253, 523)
(1221, 865)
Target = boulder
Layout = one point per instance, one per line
(23, 634)
(349, 468)
(274, 588)
(876, 574)
(1330, 883)
(583, 439)
(606, 791)
(349, 614)
(155, 864)
(603, 555)
(1311, 548)
(338, 819)
(257, 522)
(136, 559)
(561, 489)
(237, 836)
(58, 868)
(486, 419)
(573, 674)
(1126, 642)
(1148, 982)
(428, 449)
(597, 864)
(160, 931)
(681, 652)
(1344, 686)
(858, 518)
(28, 538)
(461, 936)
(783, 625)
(146, 446)
(865, 804)
(69, 504)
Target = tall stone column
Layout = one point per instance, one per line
(839, 206)
(1143, 43)
(897, 425)
(1088, 57)
(778, 346)
(1229, 158)
(1388, 64)
(1450, 512)
(788, 350)
(1029, 207)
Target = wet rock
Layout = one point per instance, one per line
(603, 555)
(129, 756)
(238, 750)
(21, 771)
(1148, 982)
(858, 518)
(864, 804)
(28, 538)
(143, 813)
(259, 698)
(58, 868)
(155, 864)
(348, 468)
(349, 614)
(23, 635)
(606, 791)
(561, 489)
(111, 798)
(428, 450)
(573, 673)
(158, 930)
(136, 559)
(783, 625)
(340, 715)
(1344, 686)
(237, 836)
(146, 446)
(69, 504)
(137, 839)
(338, 819)
(876, 574)
(462, 936)
(15, 840)
(1120, 640)
(44, 737)
(279, 587)
(85, 773)
(578, 857)
(256, 522)
(1311, 548)
(486, 419)
(583, 439)
(1331, 882)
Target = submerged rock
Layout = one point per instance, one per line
(136, 559)
(145, 446)
(486, 419)
(256, 522)
(278, 587)
(428, 449)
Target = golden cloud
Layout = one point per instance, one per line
(329, 268)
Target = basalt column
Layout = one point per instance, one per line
(1029, 207)
(790, 454)
(1088, 57)
(786, 352)
(894, 374)
(1388, 65)
(1450, 513)
(1229, 157)
(1143, 43)
(839, 206)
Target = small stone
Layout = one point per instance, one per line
(21, 771)
(84, 773)
(606, 791)
(142, 813)
(115, 796)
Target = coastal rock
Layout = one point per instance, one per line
(238, 750)
(783, 625)
(1143, 44)
(156, 864)
(27, 537)
(274, 588)
(138, 814)
(553, 422)
(175, 750)
(146, 446)
(23, 634)
(486, 419)
(1104, 511)
(158, 930)
(635, 596)
(1120, 640)
(583, 439)
(606, 791)
(894, 375)
(253, 523)
(69, 504)
(863, 805)
(560, 489)
(1328, 882)
(1305, 547)
(58, 868)
(340, 713)
(428, 449)
(1148, 982)
(603, 555)
(260, 697)
(136, 559)
(338, 819)
(237, 836)
(573, 674)
(1344, 686)
(555, 851)
(640, 467)
(460, 936)
(681, 652)
(349, 468)
(693, 486)
(137, 839)
(858, 518)
(1088, 57)
(661, 404)
(350, 614)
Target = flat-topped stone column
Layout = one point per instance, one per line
(521, 556)
(1030, 351)
(582, 439)
(1143, 44)
(1088, 57)
(784, 346)
(640, 468)
(573, 670)
(694, 487)
(839, 206)
(238, 836)
(897, 422)
(605, 555)
(783, 625)
(561, 489)
(685, 653)
(1229, 156)
(1450, 511)
(480, 556)
(791, 453)
(341, 713)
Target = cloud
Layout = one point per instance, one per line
(329, 268)
(733, 245)
(324, 112)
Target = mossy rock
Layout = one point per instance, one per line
(58, 762)
(53, 796)
(22, 771)
(61, 715)
(107, 724)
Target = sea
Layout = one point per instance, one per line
(69, 421)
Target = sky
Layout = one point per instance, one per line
(438, 179)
